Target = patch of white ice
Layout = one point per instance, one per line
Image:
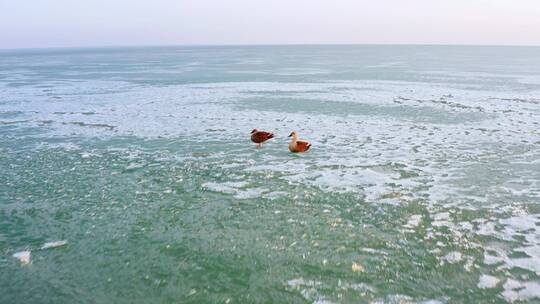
(25, 257)
(487, 281)
(520, 291)
(453, 257)
(53, 244)
(414, 221)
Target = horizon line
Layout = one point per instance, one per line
(259, 44)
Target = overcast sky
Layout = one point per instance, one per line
(67, 23)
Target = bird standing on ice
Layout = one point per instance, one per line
(259, 137)
(296, 145)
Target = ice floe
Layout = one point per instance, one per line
(54, 244)
(487, 281)
(25, 257)
(453, 257)
(520, 291)
(413, 221)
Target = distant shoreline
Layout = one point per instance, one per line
(260, 45)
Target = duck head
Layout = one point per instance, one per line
(253, 131)
(294, 135)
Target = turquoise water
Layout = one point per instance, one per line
(422, 186)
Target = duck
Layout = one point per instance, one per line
(259, 137)
(298, 146)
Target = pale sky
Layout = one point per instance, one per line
(72, 23)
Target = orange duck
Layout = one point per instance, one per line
(259, 137)
(298, 146)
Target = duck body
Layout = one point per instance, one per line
(260, 137)
(298, 146)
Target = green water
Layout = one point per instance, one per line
(424, 174)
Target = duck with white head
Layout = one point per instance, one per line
(298, 146)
